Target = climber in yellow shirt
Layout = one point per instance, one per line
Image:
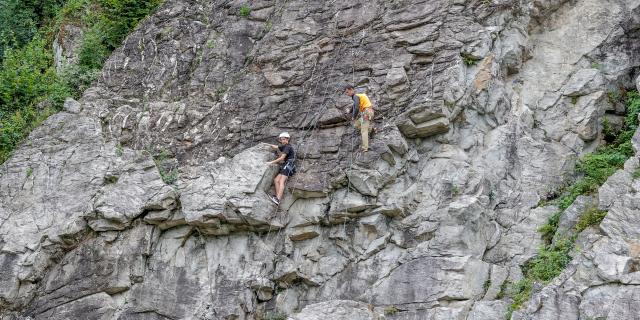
(363, 107)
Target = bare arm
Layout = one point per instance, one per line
(278, 160)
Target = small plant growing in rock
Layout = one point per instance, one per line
(110, 179)
(548, 264)
(503, 289)
(119, 150)
(636, 173)
(548, 230)
(244, 11)
(615, 96)
(455, 190)
(168, 171)
(29, 172)
(275, 316)
(574, 100)
(468, 60)
(391, 310)
(592, 216)
(608, 131)
(487, 285)
(220, 92)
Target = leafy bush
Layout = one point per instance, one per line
(27, 78)
(30, 89)
(29, 92)
(20, 20)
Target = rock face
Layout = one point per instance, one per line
(147, 198)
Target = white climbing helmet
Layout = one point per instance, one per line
(284, 135)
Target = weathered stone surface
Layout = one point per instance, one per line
(498, 277)
(513, 48)
(118, 203)
(571, 215)
(426, 277)
(424, 120)
(66, 45)
(619, 221)
(433, 226)
(303, 233)
(304, 212)
(582, 82)
(520, 243)
(336, 309)
(96, 306)
(484, 310)
(231, 194)
(425, 129)
(72, 106)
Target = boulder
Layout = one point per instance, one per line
(424, 120)
(349, 203)
(118, 203)
(425, 129)
(582, 82)
(303, 233)
(230, 194)
(304, 212)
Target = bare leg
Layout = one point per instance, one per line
(276, 182)
(280, 190)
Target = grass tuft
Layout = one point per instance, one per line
(244, 11)
(391, 310)
(591, 217)
(275, 316)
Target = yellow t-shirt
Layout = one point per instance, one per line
(364, 101)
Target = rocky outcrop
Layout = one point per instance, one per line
(602, 279)
(229, 195)
(66, 45)
(147, 197)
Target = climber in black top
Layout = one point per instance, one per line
(286, 160)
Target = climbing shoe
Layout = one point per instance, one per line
(274, 200)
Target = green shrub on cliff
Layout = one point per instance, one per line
(30, 88)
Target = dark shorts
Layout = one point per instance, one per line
(288, 170)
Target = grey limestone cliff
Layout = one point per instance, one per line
(147, 198)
